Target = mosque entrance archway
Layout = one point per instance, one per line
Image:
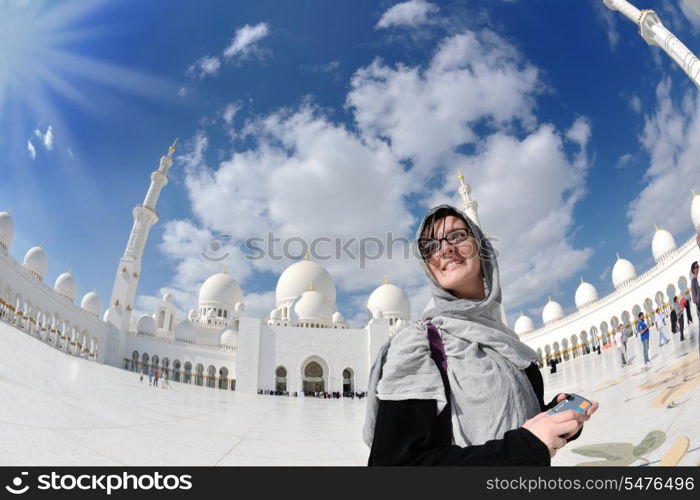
(281, 379)
(348, 380)
(313, 378)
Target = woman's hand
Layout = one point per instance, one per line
(553, 430)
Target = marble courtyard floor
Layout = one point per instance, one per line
(60, 410)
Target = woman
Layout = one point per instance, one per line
(457, 387)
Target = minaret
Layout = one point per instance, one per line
(655, 33)
(127, 278)
(469, 205)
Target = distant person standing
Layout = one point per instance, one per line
(659, 320)
(686, 300)
(694, 288)
(150, 377)
(155, 377)
(678, 307)
(619, 345)
(166, 384)
(643, 331)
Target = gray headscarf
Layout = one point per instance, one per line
(490, 394)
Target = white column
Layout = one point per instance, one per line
(655, 33)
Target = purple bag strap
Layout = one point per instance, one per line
(437, 353)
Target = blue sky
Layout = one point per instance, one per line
(344, 119)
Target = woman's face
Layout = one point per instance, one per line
(457, 267)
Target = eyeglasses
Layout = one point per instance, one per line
(428, 247)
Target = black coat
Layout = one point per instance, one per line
(410, 432)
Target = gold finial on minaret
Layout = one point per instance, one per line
(225, 268)
(306, 255)
(656, 228)
(171, 149)
(549, 299)
(386, 279)
(581, 278)
(311, 286)
(460, 176)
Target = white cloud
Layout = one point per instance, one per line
(635, 103)
(608, 18)
(624, 160)
(46, 138)
(203, 67)
(669, 138)
(31, 149)
(411, 13)
(245, 42)
(691, 10)
(426, 114)
(307, 176)
(230, 112)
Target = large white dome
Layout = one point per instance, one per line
(694, 211)
(146, 324)
(391, 300)
(229, 337)
(662, 244)
(585, 294)
(523, 325)
(623, 271)
(66, 286)
(552, 312)
(295, 280)
(7, 229)
(36, 261)
(186, 332)
(312, 306)
(221, 288)
(92, 303)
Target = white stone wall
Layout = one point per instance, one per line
(33, 306)
(673, 271)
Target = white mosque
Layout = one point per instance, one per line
(304, 345)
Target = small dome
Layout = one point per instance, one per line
(229, 337)
(295, 280)
(337, 317)
(221, 288)
(193, 315)
(623, 272)
(36, 261)
(694, 211)
(240, 306)
(377, 314)
(186, 332)
(312, 306)
(523, 325)
(585, 294)
(92, 303)
(146, 325)
(552, 312)
(391, 300)
(275, 314)
(66, 286)
(662, 244)
(167, 297)
(7, 230)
